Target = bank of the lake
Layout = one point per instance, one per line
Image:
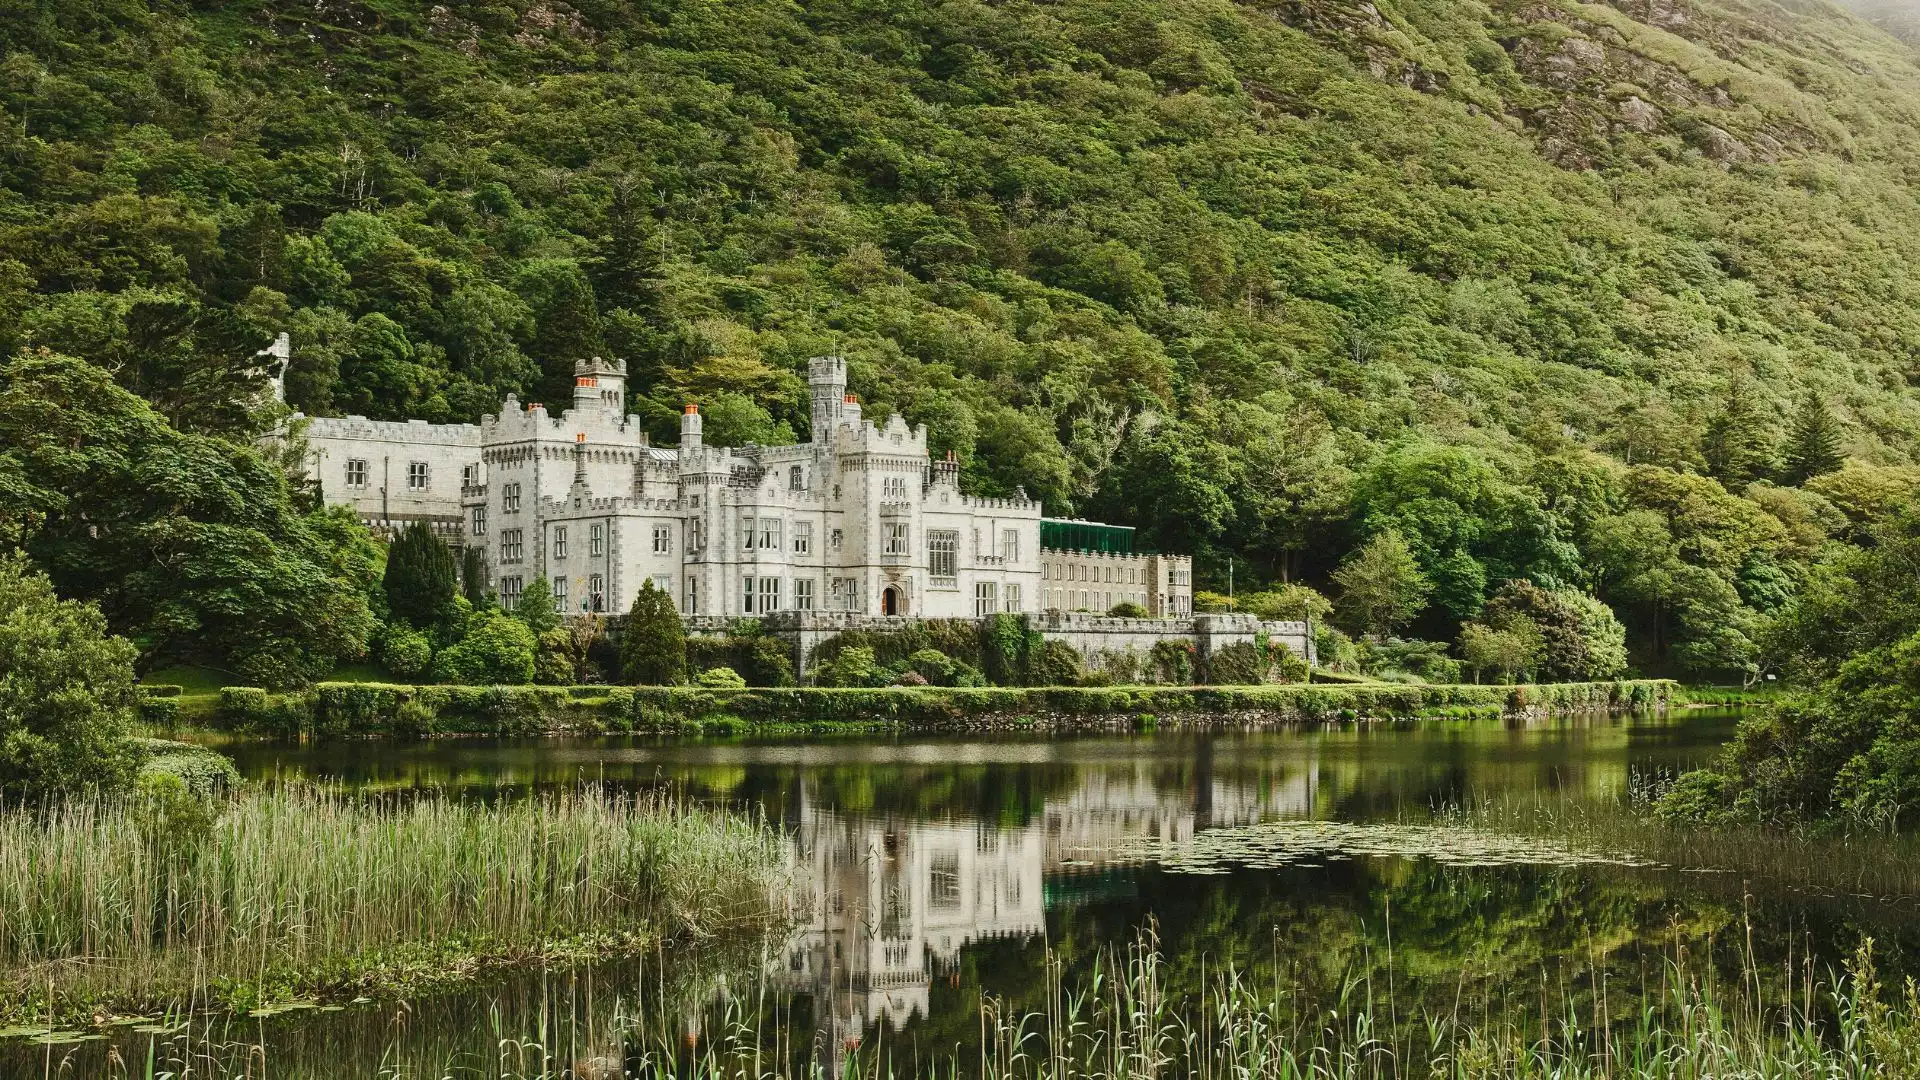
(147, 906)
(339, 709)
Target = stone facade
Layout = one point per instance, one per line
(1097, 581)
(859, 520)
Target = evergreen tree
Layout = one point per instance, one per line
(1739, 441)
(1813, 446)
(625, 267)
(420, 579)
(1382, 585)
(653, 648)
(473, 578)
(536, 607)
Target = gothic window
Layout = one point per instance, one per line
(597, 541)
(479, 521)
(797, 478)
(597, 592)
(746, 534)
(560, 593)
(356, 472)
(769, 534)
(664, 583)
(896, 542)
(510, 498)
(943, 546)
(559, 541)
(467, 474)
(893, 487)
(512, 546)
(835, 539)
(769, 598)
(416, 476)
(691, 604)
(1011, 597)
(802, 537)
(662, 540)
(510, 592)
(803, 594)
(1010, 545)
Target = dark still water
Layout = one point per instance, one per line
(941, 870)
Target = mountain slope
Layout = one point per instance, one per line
(1191, 263)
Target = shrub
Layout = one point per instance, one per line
(852, 667)
(1289, 603)
(653, 645)
(161, 713)
(535, 607)
(496, 648)
(67, 695)
(405, 653)
(1127, 609)
(1426, 661)
(720, 678)
(1055, 663)
(204, 772)
(553, 659)
(1237, 664)
(1173, 662)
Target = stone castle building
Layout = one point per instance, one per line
(861, 520)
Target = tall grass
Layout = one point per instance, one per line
(1132, 1014)
(132, 905)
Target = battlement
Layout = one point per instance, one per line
(416, 432)
(534, 421)
(982, 502)
(611, 504)
(894, 438)
(1116, 558)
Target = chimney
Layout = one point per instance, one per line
(580, 459)
(690, 427)
(850, 411)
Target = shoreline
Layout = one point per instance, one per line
(376, 710)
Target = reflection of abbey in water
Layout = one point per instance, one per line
(895, 901)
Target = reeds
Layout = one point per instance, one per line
(122, 905)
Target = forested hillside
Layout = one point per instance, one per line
(1597, 296)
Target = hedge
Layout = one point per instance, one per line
(368, 709)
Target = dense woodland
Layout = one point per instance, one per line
(1463, 314)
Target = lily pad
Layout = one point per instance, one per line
(1307, 844)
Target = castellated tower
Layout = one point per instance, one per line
(600, 384)
(828, 377)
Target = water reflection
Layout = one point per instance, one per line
(940, 870)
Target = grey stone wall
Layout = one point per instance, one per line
(1105, 644)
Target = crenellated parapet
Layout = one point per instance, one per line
(412, 432)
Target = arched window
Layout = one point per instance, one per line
(796, 478)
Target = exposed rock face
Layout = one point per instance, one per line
(1637, 115)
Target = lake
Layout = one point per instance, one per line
(939, 870)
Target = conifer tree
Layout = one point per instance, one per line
(536, 607)
(653, 648)
(1739, 441)
(1813, 446)
(473, 578)
(420, 580)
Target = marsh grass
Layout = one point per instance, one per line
(1133, 1014)
(132, 905)
(1853, 860)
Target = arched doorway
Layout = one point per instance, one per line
(890, 603)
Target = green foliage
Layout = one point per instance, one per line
(1054, 663)
(554, 658)
(1255, 285)
(1580, 639)
(1127, 609)
(1291, 602)
(1426, 661)
(405, 653)
(495, 648)
(535, 607)
(1813, 445)
(720, 678)
(421, 579)
(203, 772)
(67, 696)
(473, 576)
(193, 547)
(853, 665)
(1508, 650)
(1173, 662)
(1381, 586)
(653, 644)
(1236, 664)
(759, 659)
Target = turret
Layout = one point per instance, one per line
(828, 377)
(600, 384)
(690, 427)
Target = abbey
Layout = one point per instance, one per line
(859, 520)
